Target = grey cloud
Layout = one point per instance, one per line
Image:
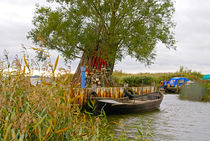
(193, 47)
(192, 33)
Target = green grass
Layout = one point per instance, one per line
(149, 78)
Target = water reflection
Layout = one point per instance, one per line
(176, 120)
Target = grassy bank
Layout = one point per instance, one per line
(149, 78)
(198, 92)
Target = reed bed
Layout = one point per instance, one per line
(44, 112)
(48, 111)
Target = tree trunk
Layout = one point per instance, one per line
(98, 71)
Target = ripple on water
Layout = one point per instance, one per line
(176, 120)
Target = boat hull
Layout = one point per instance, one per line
(144, 103)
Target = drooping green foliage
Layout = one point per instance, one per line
(117, 27)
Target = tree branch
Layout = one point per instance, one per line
(99, 15)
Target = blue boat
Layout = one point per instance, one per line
(174, 84)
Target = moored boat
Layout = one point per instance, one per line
(128, 104)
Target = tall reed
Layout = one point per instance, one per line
(46, 111)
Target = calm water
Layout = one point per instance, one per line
(176, 120)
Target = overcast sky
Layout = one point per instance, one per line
(192, 19)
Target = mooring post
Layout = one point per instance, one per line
(83, 70)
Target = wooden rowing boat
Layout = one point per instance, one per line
(125, 105)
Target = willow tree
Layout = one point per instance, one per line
(100, 32)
